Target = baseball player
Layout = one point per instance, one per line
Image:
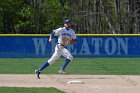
(65, 35)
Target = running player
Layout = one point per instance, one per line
(65, 34)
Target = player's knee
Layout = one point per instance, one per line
(70, 58)
(51, 62)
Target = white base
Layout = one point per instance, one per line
(75, 82)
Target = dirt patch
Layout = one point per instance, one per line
(93, 83)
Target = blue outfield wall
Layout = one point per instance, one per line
(86, 46)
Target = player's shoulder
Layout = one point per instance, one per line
(60, 28)
(72, 30)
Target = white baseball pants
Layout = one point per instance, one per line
(60, 50)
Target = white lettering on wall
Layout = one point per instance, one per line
(96, 43)
(85, 48)
(122, 44)
(110, 46)
(96, 46)
(40, 44)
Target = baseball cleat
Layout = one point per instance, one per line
(37, 73)
(62, 72)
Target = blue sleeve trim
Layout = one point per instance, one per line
(52, 34)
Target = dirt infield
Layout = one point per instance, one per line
(93, 83)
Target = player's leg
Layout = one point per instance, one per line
(54, 57)
(68, 57)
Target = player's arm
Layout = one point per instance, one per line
(56, 31)
(73, 39)
(51, 37)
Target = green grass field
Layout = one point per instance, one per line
(97, 66)
(29, 90)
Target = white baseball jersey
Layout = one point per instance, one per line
(64, 35)
(63, 39)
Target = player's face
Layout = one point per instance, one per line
(67, 24)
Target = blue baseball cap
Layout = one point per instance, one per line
(67, 20)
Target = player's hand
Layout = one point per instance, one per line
(50, 39)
